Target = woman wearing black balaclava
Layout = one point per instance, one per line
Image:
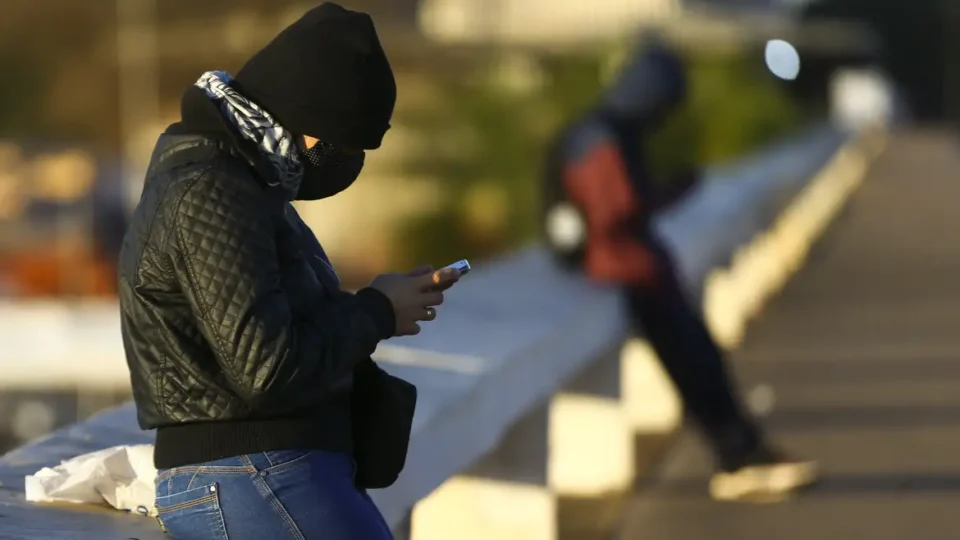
(245, 356)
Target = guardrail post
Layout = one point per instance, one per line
(504, 496)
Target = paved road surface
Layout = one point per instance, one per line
(863, 352)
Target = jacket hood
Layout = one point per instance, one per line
(652, 81)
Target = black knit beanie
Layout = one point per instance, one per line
(325, 76)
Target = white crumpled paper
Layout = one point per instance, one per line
(122, 476)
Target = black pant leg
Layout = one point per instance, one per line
(692, 359)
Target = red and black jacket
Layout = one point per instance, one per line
(597, 168)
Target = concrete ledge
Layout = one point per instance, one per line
(591, 423)
(525, 395)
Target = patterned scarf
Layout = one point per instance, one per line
(256, 125)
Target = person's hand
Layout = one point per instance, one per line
(414, 296)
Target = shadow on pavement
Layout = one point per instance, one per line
(853, 417)
(836, 485)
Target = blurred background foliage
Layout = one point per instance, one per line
(477, 139)
(23, 85)
(482, 138)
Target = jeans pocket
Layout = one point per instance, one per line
(193, 514)
(281, 460)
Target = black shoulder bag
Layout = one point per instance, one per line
(383, 407)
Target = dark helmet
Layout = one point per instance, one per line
(651, 83)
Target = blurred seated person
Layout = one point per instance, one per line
(599, 200)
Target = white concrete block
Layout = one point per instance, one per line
(747, 279)
(590, 446)
(467, 508)
(721, 308)
(778, 265)
(650, 400)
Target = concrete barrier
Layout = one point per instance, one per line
(527, 395)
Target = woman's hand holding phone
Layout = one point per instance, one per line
(415, 295)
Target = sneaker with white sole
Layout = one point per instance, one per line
(765, 476)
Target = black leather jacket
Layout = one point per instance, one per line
(236, 332)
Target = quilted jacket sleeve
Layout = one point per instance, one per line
(227, 266)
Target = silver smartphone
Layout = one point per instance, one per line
(462, 265)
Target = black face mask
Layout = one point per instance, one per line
(327, 171)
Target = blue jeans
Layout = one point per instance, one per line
(291, 494)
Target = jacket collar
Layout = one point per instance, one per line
(201, 135)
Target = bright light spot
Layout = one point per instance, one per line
(565, 227)
(861, 97)
(761, 399)
(782, 59)
(32, 419)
